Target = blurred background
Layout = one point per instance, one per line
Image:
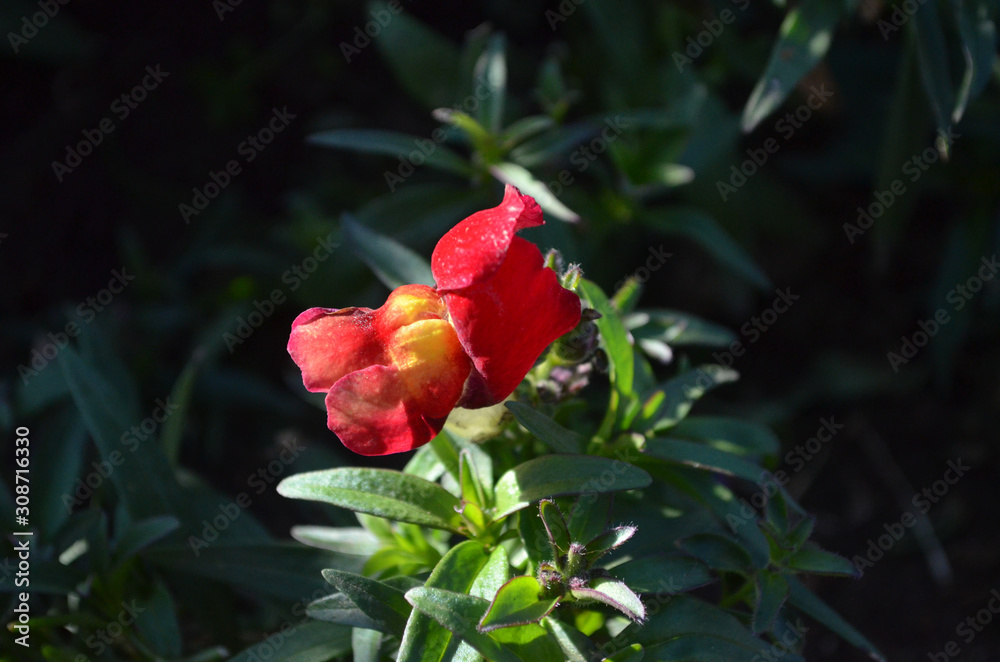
(818, 181)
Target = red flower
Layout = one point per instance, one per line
(394, 374)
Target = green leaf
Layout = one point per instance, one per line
(518, 602)
(393, 263)
(803, 41)
(286, 571)
(680, 394)
(575, 645)
(806, 601)
(472, 489)
(717, 551)
(141, 474)
(932, 56)
(425, 640)
(729, 434)
(979, 49)
(521, 177)
(614, 594)
(705, 231)
(312, 641)
(157, 623)
(810, 558)
(423, 61)
(391, 143)
(590, 516)
(143, 534)
(664, 575)
(525, 128)
(553, 435)
(686, 628)
(366, 645)
(460, 613)
(701, 456)
(607, 541)
(180, 395)
(380, 492)
(555, 475)
(338, 608)
(614, 337)
(491, 73)
(344, 540)
(492, 576)
(382, 603)
(676, 328)
(633, 653)
(770, 592)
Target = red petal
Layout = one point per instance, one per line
(369, 411)
(327, 344)
(475, 248)
(507, 321)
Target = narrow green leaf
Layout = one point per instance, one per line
(338, 608)
(491, 73)
(345, 540)
(803, 41)
(676, 328)
(614, 337)
(286, 571)
(366, 645)
(553, 435)
(518, 602)
(705, 231)
(710, 627)
(393, 263)
(701, 456)
(525, 128)
(979, 48)
(521, 177)
(143, 534)
(575, 645)
(717, 551)
(142, 476)
(590, 516)
(609, 540)
(398, 145)
(379, 601)
(770, 592)
(810, 558)
(380, 492)
(932, 56)
(180, 395)
(460, 613)
(633, 653)
(157, 623)
(424, 62)
(472, 489)
(807, 601)
(492, 576)
(556, 475)
(614, 594)
(424, 639)
(731, 435)
(664, 575)
(682, 392)
(312, 641)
